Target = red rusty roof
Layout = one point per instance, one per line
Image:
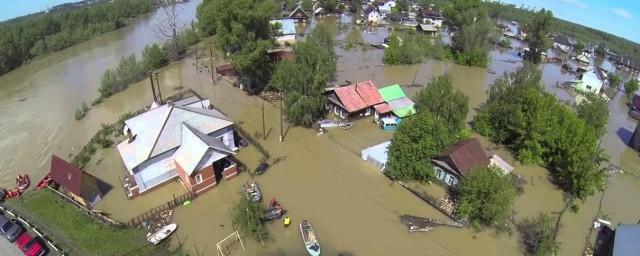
(382, 108)
(467, 155)
(359, 96)
(72, 178)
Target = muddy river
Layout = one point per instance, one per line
(354, 208)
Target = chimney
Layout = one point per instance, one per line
(130, 135)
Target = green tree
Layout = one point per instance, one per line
(486, 196)
(244, 32)
(153, 57)
(418, 138)
(614, 80)
(440, 99)
(246, 216)
(541, 130)
(595, 112)
(303, 80)
(473, 32)
(329, 5)
(538, 236)
(402, 5)
(392, 54)
(579, 47)
(631, 86)
(306, 5)
(537, 38)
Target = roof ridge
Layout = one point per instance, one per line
(157, 137)
(193, 110)
(204, 140)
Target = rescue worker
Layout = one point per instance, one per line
(287, 221)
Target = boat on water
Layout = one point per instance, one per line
(253, 192)
(164, 232)
(309, 238)
(275, 211)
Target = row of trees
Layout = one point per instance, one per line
(413, 49)
(439, 122)
(29, 37)
(131, 70)
(304, 79)
(541, 130)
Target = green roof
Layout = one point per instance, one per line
(391, 92)
(404, 112)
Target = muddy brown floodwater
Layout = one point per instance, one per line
(354, 208)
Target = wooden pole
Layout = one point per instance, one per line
(159, 91)
(281, 131)
(211, 60)
(264, 135)
(196, 61)
(153, 88)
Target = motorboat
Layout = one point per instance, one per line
(253, 192)
(309, 238)
(164, 232)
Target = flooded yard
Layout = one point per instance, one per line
(354, 208)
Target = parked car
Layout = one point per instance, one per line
(35, 247)
(22, 240)
(11, 230)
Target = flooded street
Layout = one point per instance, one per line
(38, 100)
(354, 208)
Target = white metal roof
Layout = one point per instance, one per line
(196, 146)
(159, 130)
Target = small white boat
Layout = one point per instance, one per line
(310, 239)
(161, 234)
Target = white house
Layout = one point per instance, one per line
(185, 140)
(387, 7)
(372, 15)
(563, 43)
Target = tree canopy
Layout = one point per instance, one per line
(537, 38)
(438, 123)
(631, 86)
(413, 49)
(28, 37)
(486, 196)
(537, 236)
(541, 130)
(243, 31)
(473, 32)
(246, 216)
(304, 79)
(595, 112)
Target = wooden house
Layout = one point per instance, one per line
(79, 185)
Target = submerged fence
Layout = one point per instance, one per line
(141, 219)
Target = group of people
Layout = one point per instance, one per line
(22, 183)
(275, 205)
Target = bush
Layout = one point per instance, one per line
(154, 57)
(246, 216)
(631, 86)
(413, 49)
(537, 236)
(82, 111)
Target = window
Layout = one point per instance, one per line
(198, 178)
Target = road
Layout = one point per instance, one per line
(8, 249)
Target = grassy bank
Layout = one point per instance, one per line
(83, 232)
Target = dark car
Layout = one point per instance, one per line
(11, 230)
(262, 167)
(3, 220)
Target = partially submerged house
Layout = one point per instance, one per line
(387, 7)
(376, 155)
(628, 64)
(193, 143)
(459, 160)
(79, 185)
(431, 17)
(396, 103)
(299, 15)
(356, 100)
(563, 43)
(590, 82)
(286, 33)
(372, 15)
(428, 29)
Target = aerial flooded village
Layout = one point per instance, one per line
(319, 127)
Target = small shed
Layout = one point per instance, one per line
(428, 29)
(397, 100)
(377, 155)
(83, 187)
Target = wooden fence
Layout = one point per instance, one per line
(156, 211)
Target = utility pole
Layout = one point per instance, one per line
(159, 91)
(264, 135)
(281, 131)
(196, 61)
(153, 88)
(211, 60)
